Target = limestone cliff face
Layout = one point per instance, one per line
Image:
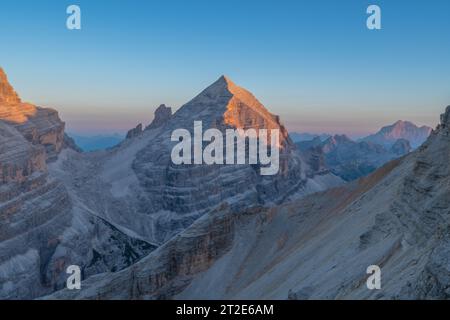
(42, 231)
(445, 120)
(166, 271)
(104, 211)
(40, 126)
(173, 196)
(245, 111)
(134, 132)
(18, 158)
(162, 115)
(7, 93)
(21, 154)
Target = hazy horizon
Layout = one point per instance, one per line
(323, 71)
(101, 125)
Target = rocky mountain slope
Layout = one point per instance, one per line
(388, 135)
(161, 199)
(41, 230)
(351, 160)
(315, 247)
(104, 211)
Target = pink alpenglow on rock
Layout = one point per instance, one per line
(7, 93)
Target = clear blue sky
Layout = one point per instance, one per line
(313, 62)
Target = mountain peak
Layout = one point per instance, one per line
(224, 86)
(403, 123)
(398, 122)
(162, 116)
(401, 129)
(7, 93)
(220, 86)
(225, 79)
(224, 104)
(221, 96)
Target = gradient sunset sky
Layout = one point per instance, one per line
(312, 62)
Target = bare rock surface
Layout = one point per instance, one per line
(7, 93)
(104, 211)
(162, 116)
(162, 199)
(42, 229)
(134, 132)
(315, 247)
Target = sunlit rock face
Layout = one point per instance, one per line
(42, 230)
(170, 197)
(7, 93)
(39, 126)
(20, 154)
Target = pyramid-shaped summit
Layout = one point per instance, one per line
(224, 87)
(7, 93)
(220, 86)
(225, 104)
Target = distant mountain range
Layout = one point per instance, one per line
(305, 136)
(351, 159)
(96, 142)
(388, 135)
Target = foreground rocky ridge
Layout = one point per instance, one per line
(316, 247)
